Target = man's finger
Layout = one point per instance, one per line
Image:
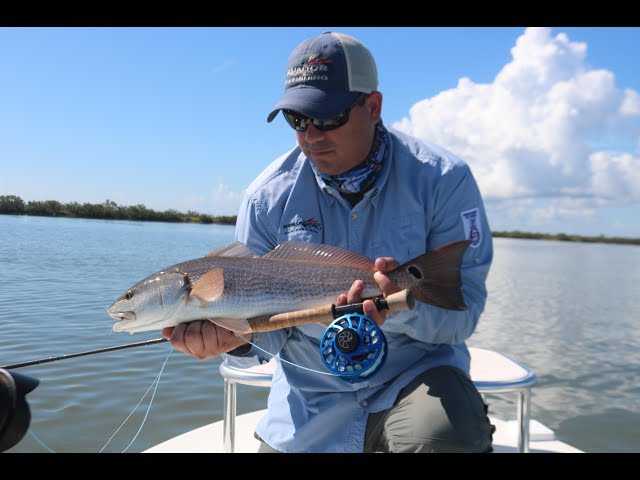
(194, 339)
(386, 285)
(355, 292)
(177, 338)
(341, 300)
(166, 332)
(386, 264)
(371, 311)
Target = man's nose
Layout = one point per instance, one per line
(312, 134)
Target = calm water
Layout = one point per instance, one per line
(567, 310)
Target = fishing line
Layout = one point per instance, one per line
(156, 382)
(287, 361)
(352, 348)
(40, 441)
(91, 352)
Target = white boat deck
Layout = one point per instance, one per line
(492, 372)
(209, 439)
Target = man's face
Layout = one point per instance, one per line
(337, 151)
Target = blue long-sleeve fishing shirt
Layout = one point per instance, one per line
(423, 198)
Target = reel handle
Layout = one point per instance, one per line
(402, 300)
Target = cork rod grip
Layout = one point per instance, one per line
(402, 300)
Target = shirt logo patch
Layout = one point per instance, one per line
(307, 225)
(472, 226)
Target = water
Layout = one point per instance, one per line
(567, 310)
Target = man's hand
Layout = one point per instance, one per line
(202, 339)
(354, 295)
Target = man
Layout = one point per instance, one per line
(353, 183)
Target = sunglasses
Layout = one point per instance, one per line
(300, 122)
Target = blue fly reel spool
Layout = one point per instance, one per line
(353, 347)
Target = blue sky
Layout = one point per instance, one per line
(548, 118)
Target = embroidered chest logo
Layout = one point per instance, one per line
(472, 226)
(299, 225)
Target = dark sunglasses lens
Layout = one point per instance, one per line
(300, 123)
(296, 121)
(326, 125)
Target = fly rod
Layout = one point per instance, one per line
(399, 301)
(80, 354)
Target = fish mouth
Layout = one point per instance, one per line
(123, 315)
(140, 326)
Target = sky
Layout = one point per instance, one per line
(548, 118)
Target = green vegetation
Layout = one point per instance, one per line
(566, 238)
(14, 205)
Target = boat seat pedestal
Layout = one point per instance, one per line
(491, 372)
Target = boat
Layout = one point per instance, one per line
(493, 373)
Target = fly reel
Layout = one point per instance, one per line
(353, 347)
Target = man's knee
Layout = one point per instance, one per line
(440, 411)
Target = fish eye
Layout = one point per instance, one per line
(128, 295)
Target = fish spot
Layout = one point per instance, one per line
(414, 272)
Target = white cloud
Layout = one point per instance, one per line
(615, 177)
(226, 200)
(220, 201)
(562, 207)
(548, 126)
(630, 103)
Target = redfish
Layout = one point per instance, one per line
(232, 285)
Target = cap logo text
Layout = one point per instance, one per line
(315, 68)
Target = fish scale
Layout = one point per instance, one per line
(270, 286)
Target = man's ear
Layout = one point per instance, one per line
(374, 105)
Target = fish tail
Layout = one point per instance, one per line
(434, 277)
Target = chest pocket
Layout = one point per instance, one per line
(406, 238)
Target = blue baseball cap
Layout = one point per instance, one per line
(325, 75)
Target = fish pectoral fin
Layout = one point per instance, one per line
(209, 286)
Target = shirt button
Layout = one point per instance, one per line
(364, 403)
(354, 215)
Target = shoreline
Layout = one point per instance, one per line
(109, 210)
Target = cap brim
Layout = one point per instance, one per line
(314, 103)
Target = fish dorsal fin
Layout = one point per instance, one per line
(209, 286)
(237, 249)
(318, 253)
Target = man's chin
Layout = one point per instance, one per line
(325, 164)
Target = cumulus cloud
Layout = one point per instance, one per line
(548, 126)
(225, 199)
(222, 200)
